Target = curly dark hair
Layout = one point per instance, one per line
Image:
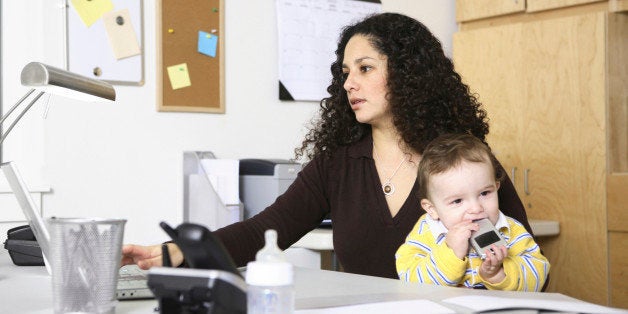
(426, 96)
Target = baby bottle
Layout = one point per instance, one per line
(269, 279)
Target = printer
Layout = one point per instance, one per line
(263, 180)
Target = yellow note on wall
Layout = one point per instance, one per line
(179, 76)
(91, 10)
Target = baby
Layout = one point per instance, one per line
(458, 182)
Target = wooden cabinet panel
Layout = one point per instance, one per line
(618, 242)
(617, 45)
(554, 86)
(618, 5)
(475, 62)
(617, 202)
(467, 10)
(540, 5)
(566, 144)
(543, 85)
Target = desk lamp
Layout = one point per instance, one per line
(52, 80)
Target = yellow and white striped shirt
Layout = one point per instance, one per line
(426, 258)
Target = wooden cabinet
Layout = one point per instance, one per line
(467, 10)
(618, 263)
(540, 5)
(550, 86)
(470, 10)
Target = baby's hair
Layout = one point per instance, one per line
(448, 151)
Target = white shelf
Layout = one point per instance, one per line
(317, 239)
(544, 228)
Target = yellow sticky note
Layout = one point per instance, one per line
(91, 10)
(179, 76)
(121, 34)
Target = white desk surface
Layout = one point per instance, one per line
(322, 239)
(28, 290)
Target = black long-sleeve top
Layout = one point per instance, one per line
(347, 186)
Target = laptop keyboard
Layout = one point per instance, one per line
(131, 274)
(132, 283)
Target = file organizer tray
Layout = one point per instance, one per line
(201, 203)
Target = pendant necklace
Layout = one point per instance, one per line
(388, 187)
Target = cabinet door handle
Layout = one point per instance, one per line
(526, 187)
(513, 172)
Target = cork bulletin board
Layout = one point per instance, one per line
(190, 56)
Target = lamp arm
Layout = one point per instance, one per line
(16, 105)
(17, 119)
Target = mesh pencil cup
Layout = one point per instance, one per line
(85, 257)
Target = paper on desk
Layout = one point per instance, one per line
(486, 303)
(398, 307)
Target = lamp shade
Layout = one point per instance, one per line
(53, 80)
(58, 81)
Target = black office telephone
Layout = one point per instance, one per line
(212, 284)
(23, 247)
(200, 247)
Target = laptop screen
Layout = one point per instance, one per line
(31, 212)
(133, 287)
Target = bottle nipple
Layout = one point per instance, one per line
(271, 251)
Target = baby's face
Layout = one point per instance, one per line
(466, 192)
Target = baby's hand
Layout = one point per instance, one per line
(491, 268)
(458, 236)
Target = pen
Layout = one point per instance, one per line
(165, 256)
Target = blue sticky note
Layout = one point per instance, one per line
(207, 43)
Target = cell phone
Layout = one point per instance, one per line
(487, 235)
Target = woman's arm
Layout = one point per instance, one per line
(149, 256)
(295, 213)
(298, 211)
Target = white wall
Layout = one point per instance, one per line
(124, 159)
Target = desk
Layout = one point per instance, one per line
(29, 290)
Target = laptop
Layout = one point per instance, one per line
(132, 282)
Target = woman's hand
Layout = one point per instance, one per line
(148, 256)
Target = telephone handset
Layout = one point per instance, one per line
(214, 287)
(201, 249)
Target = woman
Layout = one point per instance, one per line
(393, 90)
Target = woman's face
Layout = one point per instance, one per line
(365, 71)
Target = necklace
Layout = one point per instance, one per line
(388, 187)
